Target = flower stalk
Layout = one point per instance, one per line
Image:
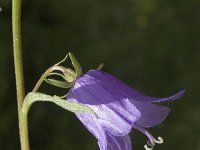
(17, 52)
(46, 74)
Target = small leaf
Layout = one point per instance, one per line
(58, 83)
(70, 106)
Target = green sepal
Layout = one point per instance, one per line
(40, 97)
(70, 75)
(57, 74)
(76, 65)
(63, 60)
(58, 83)
(100, 66)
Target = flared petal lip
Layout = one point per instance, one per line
(173, 97)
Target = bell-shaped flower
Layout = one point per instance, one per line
(119, 109)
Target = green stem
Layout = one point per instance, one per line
(17, 51)
(23, 123)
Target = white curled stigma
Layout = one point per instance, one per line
(152, 141)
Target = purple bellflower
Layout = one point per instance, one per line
(119, 109)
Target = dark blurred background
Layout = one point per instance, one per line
(151, 45)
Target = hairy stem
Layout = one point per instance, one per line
(17, 52)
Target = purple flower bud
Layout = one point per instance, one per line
(119, 109)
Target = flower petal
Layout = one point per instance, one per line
(118, 142)
(92, 124)
(151, 114)
(115, 86)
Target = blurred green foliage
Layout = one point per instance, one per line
(151, 45)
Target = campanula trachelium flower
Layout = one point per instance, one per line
(119, 109)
